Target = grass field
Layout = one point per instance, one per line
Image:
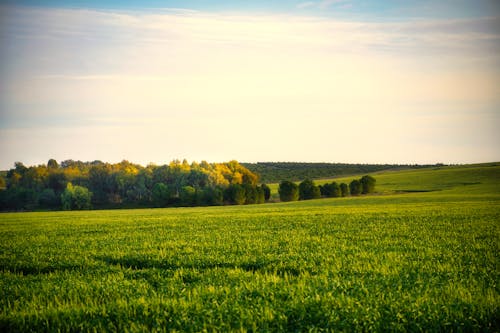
(399, 261)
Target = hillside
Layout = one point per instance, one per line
(273, 172)
(402, 261)
(464, 179)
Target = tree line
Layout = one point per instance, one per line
(84, 185)
(307, 189)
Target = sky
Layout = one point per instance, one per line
(348, 81)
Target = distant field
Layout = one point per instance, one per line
(421, 257)
(461, 179)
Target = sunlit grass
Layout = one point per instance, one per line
(423, 261)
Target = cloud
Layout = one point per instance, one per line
(142, 85)
(328, 3)
(306, 4)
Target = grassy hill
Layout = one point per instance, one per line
(399, 261)
(467, 179)
(273, 172)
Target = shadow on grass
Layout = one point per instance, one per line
(139, 263)
(35, 269)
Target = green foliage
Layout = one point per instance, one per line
(125, 184)
(209, 196)
(188, 196)
(331, 190)
(235, 194)
(76, 198)
(288, 191)
(49, 199)
(367, 184)
(52, 164)
(355, 187)
(308, 190)
(161, 194)
(267, 192)
(273, 172)
(410, 262)
(344, 190)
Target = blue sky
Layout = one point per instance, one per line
(367, 9)
(331, 81)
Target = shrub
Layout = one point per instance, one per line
(308, 190)
(355, 187)
(288, 191)
(367, 184)
(76, 197)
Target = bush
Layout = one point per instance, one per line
(344, 190)
(76, 197)
(235, 194)
(308, 190)
(367, 184)
(209, 196)
(331, 190)
(355, 187)
(288, 191)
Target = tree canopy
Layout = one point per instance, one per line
(124, 184)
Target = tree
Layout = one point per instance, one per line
(161, 194)
(188, 196)
(57, 181)
(344, 190)
(335, 190)
(52, 164)
(288, 191)
(308, 190)
(49, 199)
(355, 187)
(235, 194)
(251, 194)
(331, 190)
(82, 198)
(267, 191)
(209, 196)
(76, 197)
(367, 184)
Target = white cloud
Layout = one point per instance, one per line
(150, 87)
(306, 4)
(328, 3)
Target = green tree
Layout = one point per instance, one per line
(49, 199)
(251, 194)
(209, 196)
(367, 184)
(308, 190)
(288, 191)
(355, 187)
(188, 196)
(76, 197)
(267, 191)
(82, 198)
(52, 164)
(344, 190)
(161, 194)
(235, 194)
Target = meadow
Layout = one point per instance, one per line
(421, 255)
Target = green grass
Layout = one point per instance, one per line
(412, 261)
(482, 178)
